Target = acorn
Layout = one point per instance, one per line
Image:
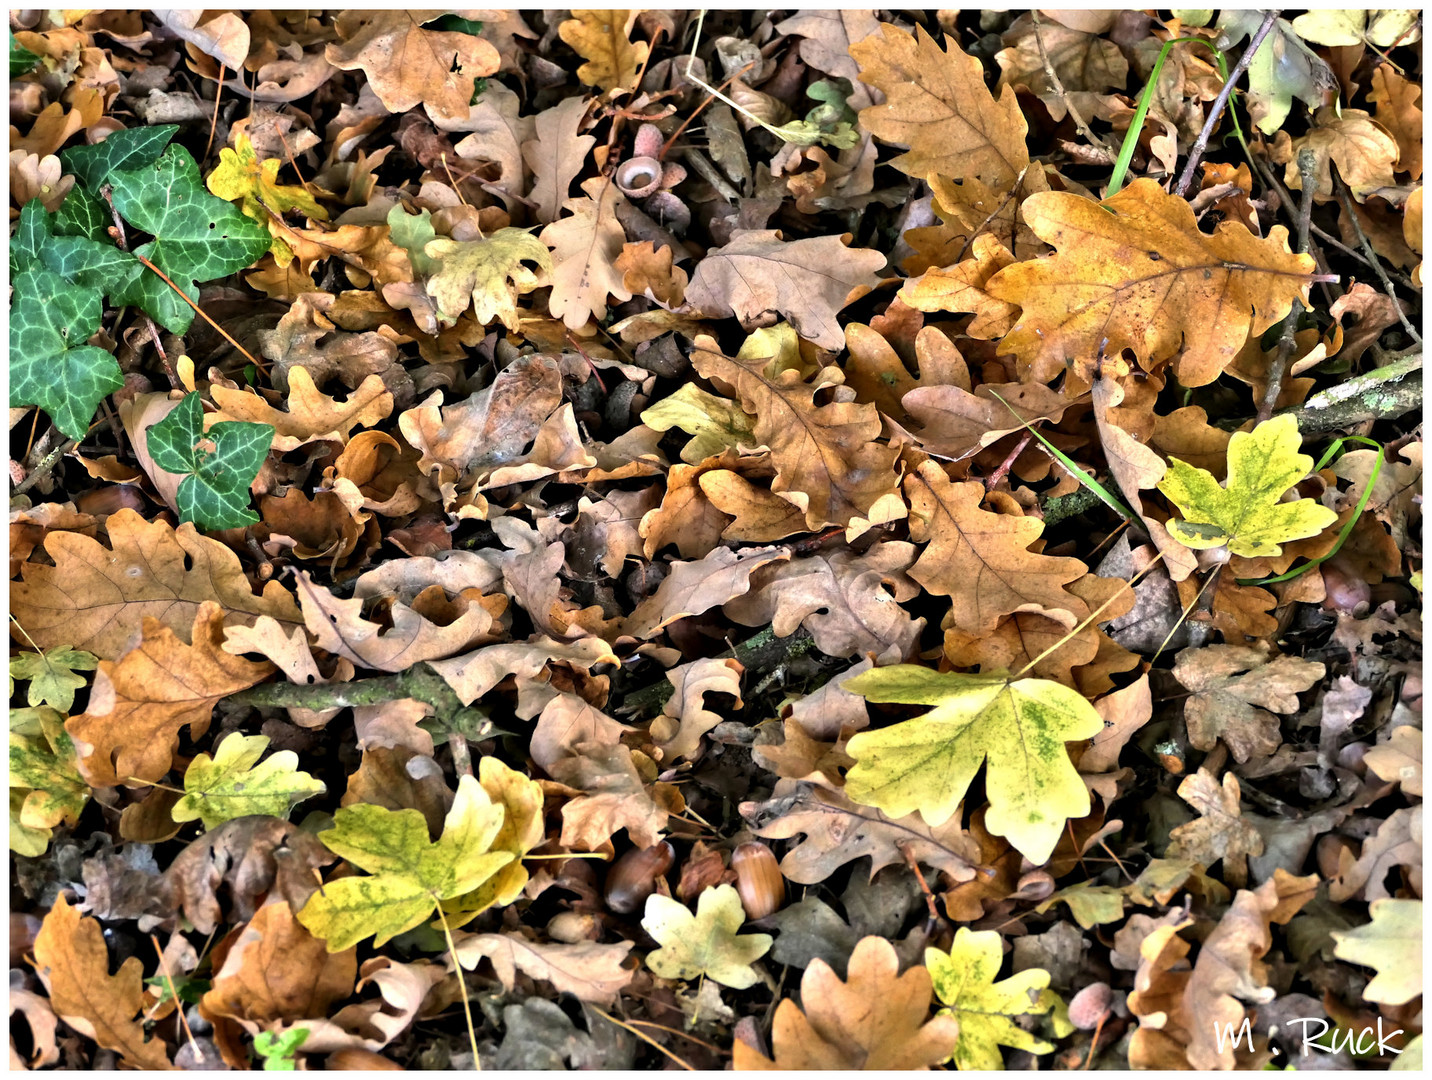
(758, 879)
(632, 878)
(352, 1058)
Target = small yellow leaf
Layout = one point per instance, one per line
(705, 943)
(488, 273)
(964, 980)
(1247, 513)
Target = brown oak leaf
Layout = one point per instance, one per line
(585, 248)
(1219, 832)
(73, 963)
(140, 703)
(96, 598)
(827, 462)
(873, 1019)
(807, 281)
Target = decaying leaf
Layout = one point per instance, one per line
(873, 1019)
(1232, 686)
(1391, 943)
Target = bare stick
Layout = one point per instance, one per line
(1200, 144)
(1058, 87)
(45, 465)
(1346, 198)
(1308, 169)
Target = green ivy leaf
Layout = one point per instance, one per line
(31, 235)
(215, 492)
(278, 1051)
(81, 214)
(197, 237)
(50, 364)
(130, 148)
(233, 784)
(51, 674)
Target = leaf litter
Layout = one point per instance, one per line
(474, 472)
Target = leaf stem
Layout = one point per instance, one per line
(462, 986)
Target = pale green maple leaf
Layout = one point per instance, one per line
(411, 874)
(1247, 513)
(51, 674)
(706, 943)
(234, 784)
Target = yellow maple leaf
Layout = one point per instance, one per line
(241, 176)
(488, 273)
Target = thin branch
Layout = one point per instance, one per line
(45, 465)
(1200, 144)
(1058, 87)
(1308, 170)
(1346, 198)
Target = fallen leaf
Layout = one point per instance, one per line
(97, 598)
(51, 675)
(1399, 760)
(873, 1019)
(586, 969)
(274, 969)
(928, 763)
(411, 874)
(807, 281)
(964, 979)
(1134, 272)
(1362, 148)
(311, 416)
(980, 559)
(1219, 831)
(686, 717)
(140, 704)
(1247, 513)
(487, 275)
(407, 65)
(838, 831)
(556, 155)
(233, 784)
(827, 462)
(938, 106)
(706, 944)
(603, 39)
(1399, 111)
(1235, 690)
(73, 963)
(1391, 943)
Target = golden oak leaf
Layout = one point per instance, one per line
(826, 458)
(139, 704)
(1134, 272)
(407, 65)
(274, 969)
(961, 288)
(73, 963)
(807, 281)
(96, 598)
(981, 560)
(647, 270)
(938, 106)
(603, 39)
(556, 155)
(585, 249)
(1399, 111)
(311, 416)
(686, 516)
(873, 1019)
(762, 517)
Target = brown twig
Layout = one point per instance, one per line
(214, 123)
(45, 465)
(666, 146)
(1058, 87)
(993, 479)
(200, 312)
(1013, 225)
(1308, 169)
(1195, 155)
(1345, 197)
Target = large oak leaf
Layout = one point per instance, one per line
(1134, 272)
(96, 598)
(938, 106)
(139, 705)
(982, 561)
